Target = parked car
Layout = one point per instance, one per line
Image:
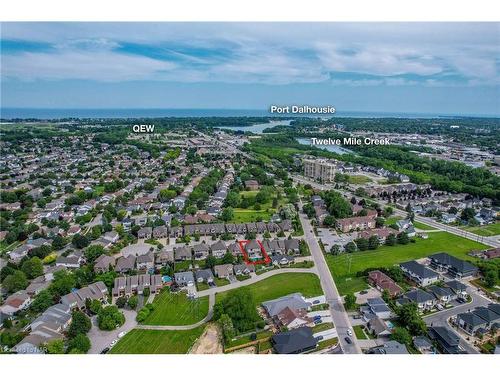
(348, 340)
(319, 338)
(105, 350)
(121, 334)
(113, 343)
(349, 332)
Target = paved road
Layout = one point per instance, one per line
(339, 315)
(101, 339)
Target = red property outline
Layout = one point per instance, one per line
(265, 260)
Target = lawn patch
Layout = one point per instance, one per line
(142, 341)
(359, 332)
(281, 285)
(176, 309)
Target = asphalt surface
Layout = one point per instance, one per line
(339, 315)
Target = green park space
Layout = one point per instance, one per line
(422, 226)
(245, 215)
(485, 230)
(281, 285)
(359, 179)
(176, 309)
(142, 341)
(344, 267)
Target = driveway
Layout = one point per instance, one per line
(101, 339)
(327, 334)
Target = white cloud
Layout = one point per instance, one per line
(103, 66)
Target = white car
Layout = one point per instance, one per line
(121, 334)
(113, 343)
(349, 332)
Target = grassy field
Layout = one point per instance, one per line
(392, 220)
(485, 230)
(386, 256)
(245, 215)
(176, 309)
(359, 179)
(140, 341)
(422, 226)
(280, 285)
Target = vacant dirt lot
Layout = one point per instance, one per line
(210, 342)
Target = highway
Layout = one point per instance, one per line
(339, 315)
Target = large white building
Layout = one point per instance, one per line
(320, 169)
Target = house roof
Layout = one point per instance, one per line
(418, 296)
(458, 264)
(419, 270)
(294, 341)
(294, 301)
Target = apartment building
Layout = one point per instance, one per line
(320, 169)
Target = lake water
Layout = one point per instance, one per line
(333, 148)
(257, 128)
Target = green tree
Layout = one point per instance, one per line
(240, 306)
(80, 324)
(54, 347)
(32, 267)
(133, 302)
(42, 301)
(401, 335)
(391, 240)
(227, 327)
(210, 262)
(80, 344)
(227, 214)
(109, 318)
(16, 281)
(350, 301)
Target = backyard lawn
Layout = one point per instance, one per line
(245, 215)
(141, 341)
(280, 285)
(485, 230)
(386, 256)
(177, 309)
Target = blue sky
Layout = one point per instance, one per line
(449, 68)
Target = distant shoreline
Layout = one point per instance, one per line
(8, 113)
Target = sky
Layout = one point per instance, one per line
(443, 68)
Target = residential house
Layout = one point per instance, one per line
(389, 347)
(164, 257)
(296, 341)
(294, 301)
(17, 301)
(145, 232)
(200, 251)
(103, 263)
(184, 278)
(160, 232)
(292, 319)
(355, 223)
(378, 327)
(146, 261)
(253, 249)
(223, 271)
(125, 264)
(383, 282)
(457, 268)
(182, 253)
(72, 261)
(218, 249)
(243, 269)
(375, 307)
(418, 273)
(204, 276)
(281, 260)
(423, 299)
(448, 342)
